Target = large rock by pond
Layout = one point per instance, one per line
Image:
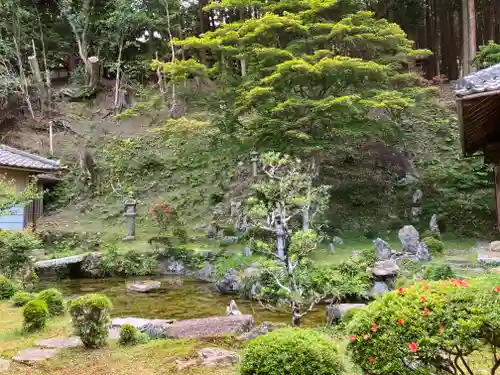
(385, 269)
(59, 262)
(143, 286)
(230, 283)
(154, 328)
(33, 355)
(409, 238)
(172, 267)
(210, 327)
(382, 249)
(260, 330)
(207, 273)
(60, 342)
(336, 311)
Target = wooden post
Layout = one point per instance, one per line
(497, 193)
(94, 72)
(51, 139)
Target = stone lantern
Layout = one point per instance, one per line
(130, 213)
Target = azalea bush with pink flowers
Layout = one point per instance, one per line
(430, 327)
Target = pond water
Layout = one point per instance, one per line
(178, 298)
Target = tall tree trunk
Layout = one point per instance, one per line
(118, 70)
(466, 38)
(472, 28)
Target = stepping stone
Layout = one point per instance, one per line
(34, 355)
(60, 343)
(4, 365)
(143, 286)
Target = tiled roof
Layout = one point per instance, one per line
(481, 81)
(12, 157)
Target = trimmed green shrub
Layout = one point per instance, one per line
(90, 316)
(291, 351)
(436, 272)
(7, 288)
(36, 314)
(130, 335)
(435, 246)
(429, 233)
(19, 299)
(419, 323)
(54, 300)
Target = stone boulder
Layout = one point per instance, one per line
(33, 356)
(495, 247)
(385, 269)
(207, 273)
(382, 249)
(143, 286)
(260, 330)
(210, 327)
(172, 267)
(232, 309)
(335, 312)
(230, 283)
(422, 252)
(59, 343)
(154, 328)
(91, 265)
(409, 238)
(217, 356)
(433, 224)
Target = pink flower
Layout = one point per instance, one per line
(366, 337)
(498, 289)
(372, 360)
(422, 298)
(352, 338)
(413, 347)
(457, 283)
(374, 327)
(441, 328)
(426, 311)
(400, 322)
(400, 291)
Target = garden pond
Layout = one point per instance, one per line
(178, 298)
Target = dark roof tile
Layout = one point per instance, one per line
(12, 157)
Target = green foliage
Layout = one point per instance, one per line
(19, 299)
(487, 55)
(130, 335)
(54, 300)
(90, 316)
(292, 351)
(170, 223)
(435, 246)
(130, 263)
(7, 287)
(436, 272)
(424, 321)
(227, 262)
(36, 315)
(16, 249)
(429, 233)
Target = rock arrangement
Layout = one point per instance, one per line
(386, 267)
(143, 286)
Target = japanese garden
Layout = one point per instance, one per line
(246, 187)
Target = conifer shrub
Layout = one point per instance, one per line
(434, 246)
(7, 288)
(54, 300)
(90, 316)
(291, 351)
(427, 327)
(130, 335)
(19, 299)
(36, 314)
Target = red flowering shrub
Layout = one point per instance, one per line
(430, 327)
(169, 222)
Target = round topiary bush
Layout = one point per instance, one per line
(7, 287)
(36, 314)
(433, 325)
(291, 351)
(129, 335)
(54, 300)
(435, 247)
(90, 316)
(19, 299)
